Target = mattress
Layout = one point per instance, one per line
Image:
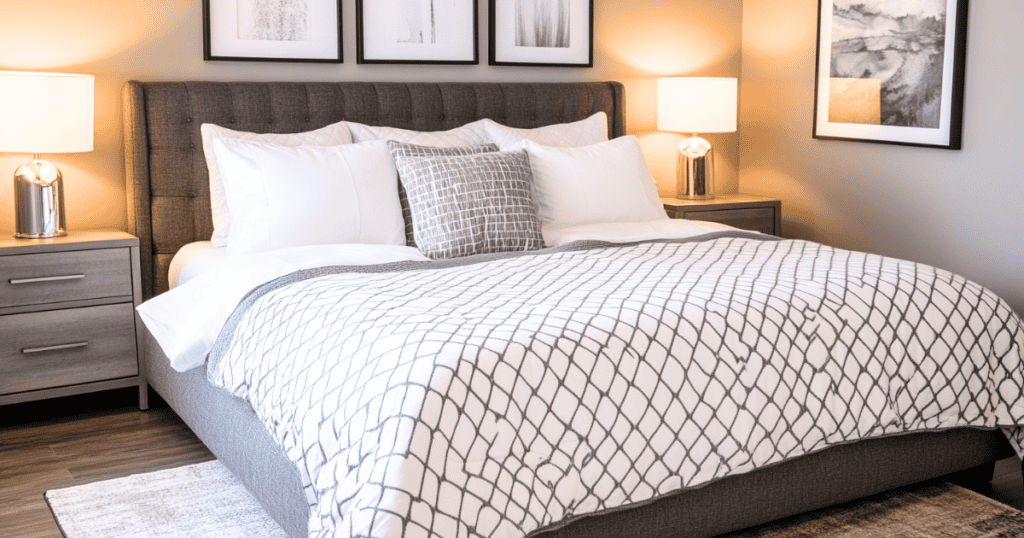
(192, 260)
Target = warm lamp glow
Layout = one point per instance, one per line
(46, 112)
(697, 105)
(43, 113)
(855, 100)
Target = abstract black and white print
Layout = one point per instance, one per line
(417, 31)
(887, 62)
(424, 21)
(542, 23)
(274, 20)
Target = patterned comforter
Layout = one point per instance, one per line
(500, 395)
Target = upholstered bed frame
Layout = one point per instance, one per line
(169, 206)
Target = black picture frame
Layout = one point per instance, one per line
(372, 47)
(503, 49)
(219, 45)
(845, 107)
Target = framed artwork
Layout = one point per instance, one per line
(272, 30)
(891, 72)
(417, 32)
(556, 33)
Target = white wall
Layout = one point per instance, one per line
(959, 210)
(120, 40)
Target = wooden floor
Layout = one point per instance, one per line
(82, 439)
(77, 440)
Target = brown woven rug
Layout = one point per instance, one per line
(933, 511)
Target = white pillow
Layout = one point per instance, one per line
(309, 195)
(192, 260)
(332, 135)
(578, 133)
(601, 183)
(470, 134)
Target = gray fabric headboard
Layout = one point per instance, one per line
(165, 169)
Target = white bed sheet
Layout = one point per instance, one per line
(187, 319)
(630, 232)
(192, 260)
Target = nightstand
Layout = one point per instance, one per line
(67, 316)
(739, 210)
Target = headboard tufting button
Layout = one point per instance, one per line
(188, 120)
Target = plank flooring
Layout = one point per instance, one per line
(82, 439)
(77, 440)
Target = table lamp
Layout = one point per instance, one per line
(696, 105)
(43, 113)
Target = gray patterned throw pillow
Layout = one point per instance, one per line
(471, 204)
(402, 149)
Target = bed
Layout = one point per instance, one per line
(169, 207)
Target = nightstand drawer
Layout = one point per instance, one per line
(30, 279)
(64, 347)
(761, 219)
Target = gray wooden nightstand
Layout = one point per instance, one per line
(67, 316)
(740, 210)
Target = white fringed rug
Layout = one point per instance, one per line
(193, 501)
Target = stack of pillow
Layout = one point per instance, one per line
(480, 188)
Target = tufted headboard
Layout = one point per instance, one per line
(165, 169)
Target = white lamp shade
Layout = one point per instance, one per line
(697, 105)
(46, 112)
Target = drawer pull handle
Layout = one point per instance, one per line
(45, 279)
(29, 351)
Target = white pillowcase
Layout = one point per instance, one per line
(309, 195)
(578, 133)
(192, 260)
(601, 183)
(470, 134)
(331, 135)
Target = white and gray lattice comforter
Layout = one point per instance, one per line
(502, 395)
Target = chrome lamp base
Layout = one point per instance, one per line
(38, 201)
(695, 170)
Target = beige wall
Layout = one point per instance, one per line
(959, 210)
(119, 40)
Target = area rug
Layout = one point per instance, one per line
(206, 500)
(201, 500)
(936, 510)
